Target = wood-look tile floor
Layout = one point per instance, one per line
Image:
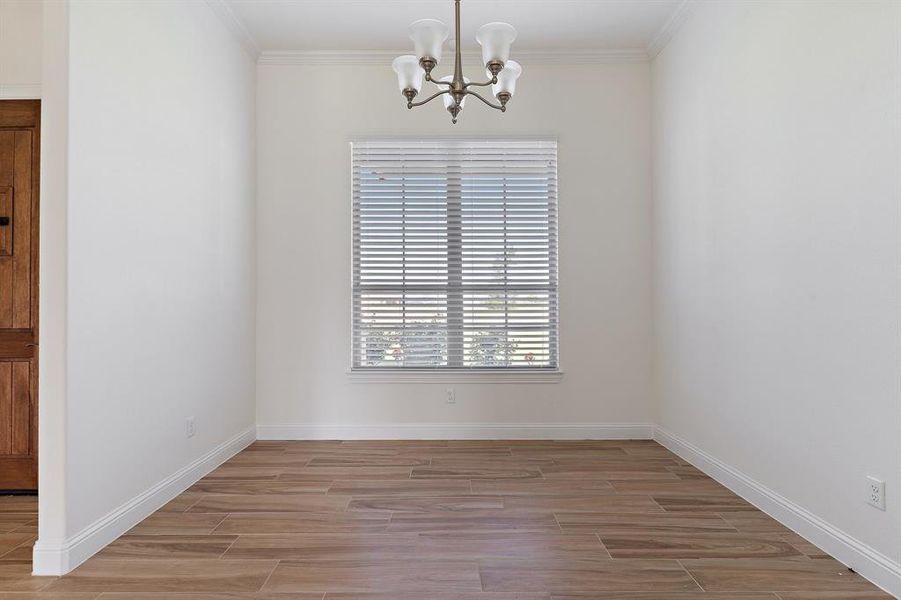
(454, 520)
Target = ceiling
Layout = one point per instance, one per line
(348, 25)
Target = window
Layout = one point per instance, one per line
(454, 255)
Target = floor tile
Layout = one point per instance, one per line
(642, 523)
(244, 488)
(11, 541)
(182, 502)
(375, 575)
(436, 596)
(325, 546)
(477, 473)
(719, 575)
(755, 522)
(165, 575)
(169, 546)
(682, 487)
(231, 503)
(696, 595)
(345, 473)
(16, 577)
(406, 487)
(706, 545)
(169, 523)
(11, 521)
(541, 487)
(472, 521)
(567, 577)
(426, 503)
(206, 596)
(619, 503)
(301, 522)
(701, 503)
(19, 504)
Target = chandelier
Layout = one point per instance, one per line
(428, 37)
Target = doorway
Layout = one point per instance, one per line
(19, 205)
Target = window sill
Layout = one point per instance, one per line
(453, 376)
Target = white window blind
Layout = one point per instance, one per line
(455, 255)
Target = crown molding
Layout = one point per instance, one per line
(20, 91)
(669, 28)
(235, 26)
(384, 57)
(596, 56)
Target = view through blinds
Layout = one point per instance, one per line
(455, 254)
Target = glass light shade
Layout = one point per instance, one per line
(428, 37)
(449, 99)
(495, 39)
(409, 73)
(506, 79)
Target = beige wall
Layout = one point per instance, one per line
(778, 202)
(150, 161)
(52, 430)
(20, 48)
(306, 116)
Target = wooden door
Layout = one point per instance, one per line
(19, 151)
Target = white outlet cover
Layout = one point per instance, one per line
(876, 493)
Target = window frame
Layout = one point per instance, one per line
(458, 371)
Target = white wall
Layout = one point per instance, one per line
(20, 48)
(160, 251)
(307, 115)
(52, 431)
(777, 147)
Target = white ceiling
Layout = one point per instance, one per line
(347, 25)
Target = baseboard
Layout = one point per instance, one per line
(865, 560)
(20, 91)
(59, 558)
(458, 431)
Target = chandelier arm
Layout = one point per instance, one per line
(436, 82)
(491, 104)
(480, 84)
(429, 99)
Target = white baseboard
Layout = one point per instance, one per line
(20, 91)
(58, 558)
(459, 431)
(865, 560)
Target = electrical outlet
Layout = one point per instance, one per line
(876, 493)
(451, 396)
(190, 427)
